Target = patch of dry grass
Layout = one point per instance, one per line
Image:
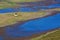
(9, 18)
(53, 35)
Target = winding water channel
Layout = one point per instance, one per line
(29, 9)
(34, 26)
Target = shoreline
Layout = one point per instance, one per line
(45, 33)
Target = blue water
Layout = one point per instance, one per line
(34, 26)
(57, 1)
(27, 9)
(1, 38)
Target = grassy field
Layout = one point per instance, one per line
(24, 0)
(12, 3)
(53, 35)
(9, 18)
(7, 5)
